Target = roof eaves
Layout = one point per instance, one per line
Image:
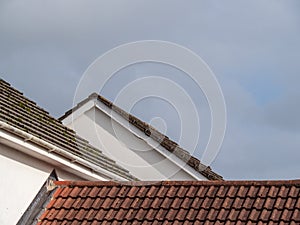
(25, 116)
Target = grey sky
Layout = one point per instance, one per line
(252, 47)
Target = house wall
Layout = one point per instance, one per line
(21, 177)
(127, 149)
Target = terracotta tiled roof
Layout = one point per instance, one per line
(174, 202)
(150, 131)
(23, 114)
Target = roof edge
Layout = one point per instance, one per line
(81, 103)
(51, 149)
(179, 183)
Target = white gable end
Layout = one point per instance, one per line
(144, 157)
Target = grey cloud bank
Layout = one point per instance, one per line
(252, 47)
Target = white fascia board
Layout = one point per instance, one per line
(154, 144)
(78, 112)
(74, 165)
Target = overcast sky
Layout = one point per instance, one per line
(252, 47)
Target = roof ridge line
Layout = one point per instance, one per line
(179, 183)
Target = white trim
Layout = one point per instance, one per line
(48, 152)
(79, 111)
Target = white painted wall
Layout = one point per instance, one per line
(24, 167)
(129, 149)
(19, 184)
(115, 149)
(21, 177)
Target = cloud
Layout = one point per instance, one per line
(252, 47)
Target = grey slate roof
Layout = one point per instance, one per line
(150, 131)
(22, 113)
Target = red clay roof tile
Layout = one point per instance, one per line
(233, 215)
(107, 203)
(156, 203)
(212, 214)
(290, 203)
(97, 202)
(172, 191)
(152, 192)
(175, 202)
(85, 191)
(182, 191)
(298, 203)
(273, 192)
(217, 203)
(248, 203)
(91, 214)
(130, 214)
(207, 203)
(201, 216)
(258, 204)
(192, 191)
(294, 192)
(280, 202)
(100, 215)
(186, 203)
(202, 191)
(117, 203)
(253, 190)
(232, 191)
(94, 192)
(181, 214)
(296, 214)
(141, 214)
(196, 202)
(136, 203)
(192, 213)
(269, 203)
(222, 191)
(254, 214)
(123, 191)
(244, 215)
(126, 203)
(242, 192)
(238, 203)
(68, 203)
(87, 204)
(146, 203)
(78, 203)
(286, 215)
(275, 215)
(171, 214)
(166, 203)
(211, 192)
(283, 192)
(228, 203)
(222, 216)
